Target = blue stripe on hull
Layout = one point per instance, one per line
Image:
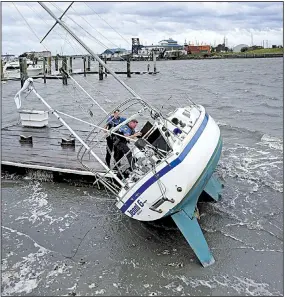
(167, 168)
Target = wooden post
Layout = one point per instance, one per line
(2, 75)
(154, 62)
(64, 63)
(100, 72)
(44, 69)
(105, 60)
(88, 63)
(49, 65)
(56, 63)
(70, 64)
(64, 67)
(129, 66)
(23, 70)
(84, 65)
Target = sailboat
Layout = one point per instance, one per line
(174, 159)
(12, 69)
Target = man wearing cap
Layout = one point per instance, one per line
(112, 121)
(120, 147)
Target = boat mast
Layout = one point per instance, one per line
(89, 50)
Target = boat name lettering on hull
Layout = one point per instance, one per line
(136, 209)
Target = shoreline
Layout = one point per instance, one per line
(221, 57)
(233, 56)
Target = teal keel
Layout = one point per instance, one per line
(187, 222)
(191, 230)
(184, 213)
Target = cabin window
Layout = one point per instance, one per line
(186, 114)
(12, 68)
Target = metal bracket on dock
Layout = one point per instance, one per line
(67, 142)
(26, 139)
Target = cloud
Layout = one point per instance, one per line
(207, 22)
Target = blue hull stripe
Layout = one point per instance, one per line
(167, 168)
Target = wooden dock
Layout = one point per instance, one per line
(45, 152)
(56, 76)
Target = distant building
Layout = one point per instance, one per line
(115, 53)
(198, 49)
(238, 48)
(43, 54)
(7, 57)
(160, 48)
(112, 51)
(170, 44)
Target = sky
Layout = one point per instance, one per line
(104, 25)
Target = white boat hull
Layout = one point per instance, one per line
(178, 178)
(31, 71)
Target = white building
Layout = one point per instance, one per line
(238, 48)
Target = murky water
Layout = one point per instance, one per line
(60, 239)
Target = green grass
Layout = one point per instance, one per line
(265, 51)
(258, 51)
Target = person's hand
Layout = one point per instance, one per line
(138, 134)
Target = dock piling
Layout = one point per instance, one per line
(44, 69)
(154, 62)
(100, 72)
(56, 63)
(23, 70)
(49, 65)
(105, 60)
(84, 66)
(88, 63)
(70, 65)
(2, 75)
(64, 67)
(129, 66)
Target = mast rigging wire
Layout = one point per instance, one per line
(107, 23)
(66, 65)
(92, 36)
(47, 49)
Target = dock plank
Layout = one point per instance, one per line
(46, 149)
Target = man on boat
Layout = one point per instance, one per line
(113, 121)
(120, 145)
